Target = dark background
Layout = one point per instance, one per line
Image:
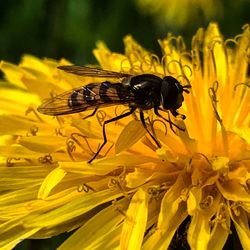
(71, 28)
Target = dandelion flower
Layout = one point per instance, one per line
(134, 195)
(179, 13)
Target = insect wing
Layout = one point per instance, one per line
(59, 104)
(92, 72)
(85, 98)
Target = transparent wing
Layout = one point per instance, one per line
(85, 98)
(92, 72)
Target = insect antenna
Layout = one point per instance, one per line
(186, 87)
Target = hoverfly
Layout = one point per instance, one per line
(139, 92)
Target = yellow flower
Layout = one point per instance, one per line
(135, 195)
(178, 13)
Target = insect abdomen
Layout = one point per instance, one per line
(96, 94)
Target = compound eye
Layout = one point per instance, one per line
(170, 91)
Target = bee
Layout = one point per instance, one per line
(139, 92)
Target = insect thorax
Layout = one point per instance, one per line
(146, 91)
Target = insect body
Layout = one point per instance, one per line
(142, 92)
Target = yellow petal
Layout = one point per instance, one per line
(43, 143)
(108, 60)
(241, 223)
(12, 124)
(18, 151)
(51, 180)
(85, 169)
(94, 235)
(167, 155)
(131, 133)
(42, 87)
(219, 163)
(142, 176)
(112, 240)
(135, 223)
(32, 62)
(199, 232)
(12, 73)
(10, 239)
(244, 132)
(202, 208)
(233, 190)
(16, 101)
(124, 160)
(219, 236)
(88, 128)
(138, 177)
(72, 209)
(173, 213)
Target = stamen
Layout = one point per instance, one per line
(163, 63)
(72, 141)
(31, 109)
(119, 209)
(197, 51)
(119, 182)
(115, 183)
(9, 159)
(33, 131)
(106, 153)
(212, 92)
(240, 84)
(247, 186)
(70, 148)
(176, 42)
(84, 187)
(112, 184)
(246, 26)
(186, 79)
(222, 217)
(153, 124)
(200, 155)
(184, 55)
(156, 192)
(207, 202)
(196, 63)
(123, 112)
(101, 116)
(190, 70)
(175, 70)
(47, 159)
(230, 41)
(125, 66)
(211, 49)
(155, 62)
(235, 206)
(73, 137)
(137, 67)
(146, 63)
(60, 120)
(59, 132)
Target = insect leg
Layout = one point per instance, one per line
(145, 126)
(104, 132)
(175, 113)
(167, 120)
(92, 114)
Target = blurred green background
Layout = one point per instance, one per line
(70, 29)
